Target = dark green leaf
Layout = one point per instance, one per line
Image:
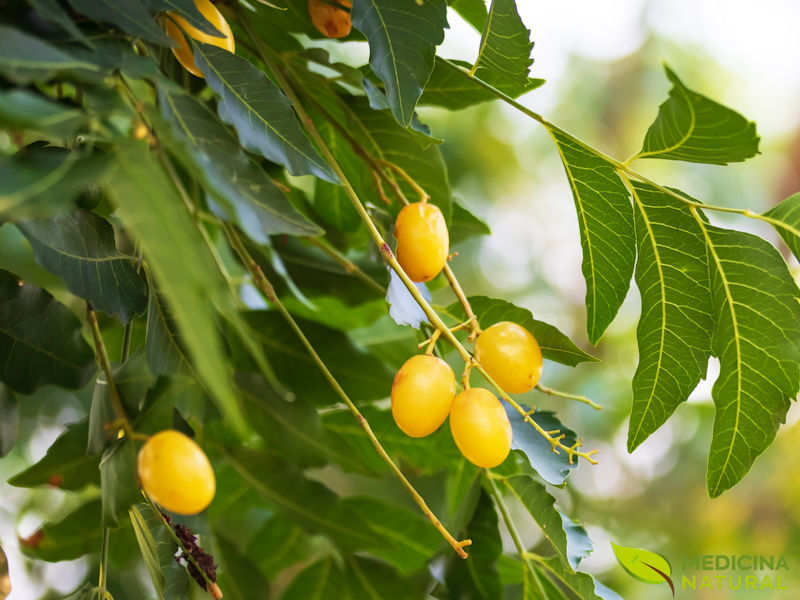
(51, 10)
(9, 420)
(101, 412)
(295, 545)
(465, 225)
(555, 345)
(673, 331)
(553, 468)
(757, 339)
(322, 581)
(114, 54)
(375, 580)
(239, 578)
(247, 194)
(785, 217)
(165, 352)
(80, 248)
(504, 56)
(402, 39)
(259, 111)
(379, 101)
(605, 220)
(476, 577)
(473, 11)
(118, 481)
(189, 11)
(77, 534)
(129, 15)
(451, 87)
(65, 465)
(40, 340)
(23, 109)
(583, 585)
(694, 128)
(24, 58)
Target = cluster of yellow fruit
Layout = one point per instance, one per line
(424, 389)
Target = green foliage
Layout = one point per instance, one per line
(787, 221)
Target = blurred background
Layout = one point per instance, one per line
(603, 66)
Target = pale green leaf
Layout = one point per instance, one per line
(785, 217)
(642, 564)
(504, 55)
(149, 550)
(473, 11)
(465, 225)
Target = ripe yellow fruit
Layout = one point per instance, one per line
(422, 394)
(329, 20)
(175, 472)
(480, 427)
(422, 240)
(183, 51)
(511, 356)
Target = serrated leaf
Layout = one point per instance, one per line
(77, 534)
(641, 563)
(757, 339)
(786, 220)
(129, 15)
(147, 546)
(150, 209)
(606, 227)
(504, 55)
(40, 340)
(553, 468)
(379, 101)
(118, 481)
(189, 11)
(259, 111)
(65, 465)
(451, 86)
(80, 248)
(579, 546)
(165, 352)
(402, 40)
(473, 12)
(23, 109)
(673, 332)
(465, 225)
(583, 585)
(9, 420)
(555, 345)
(51, 10)
(694, 128)
(24, 58)
(246, 194)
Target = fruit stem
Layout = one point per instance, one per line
(494, 492)
(560, 394)
(420, 191)
(266, 288)
(465, 375)
(432, 342)
(475, 327)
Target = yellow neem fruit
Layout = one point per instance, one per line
(330, 21)
(422, 240)
(175, 26)
(422, 394)
(480, 427)
(511, 356)
(175, 473)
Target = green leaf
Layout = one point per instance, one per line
(278, 532)
(451, 86)
(379, 101)
(51, 10)
(247, 194)
(402, 40)
(605, 220)
(757, 339)
(65, 465)
(259, 111)
(173, 577)
(477, 577)
(24, 58)
(118, 481)
(694, 128)
(673, 331)
(149, 550)
(40, 340)
(473, 11)
(555, 345)
(641, 563)
(323, 580)
(189, 11)
(9, 420)
(583, 585)
(465, 225)
(77, 534)
(505, 50)
(786, 220)
(372, 579)
(130, 16)
(579, 546)
(80, 248)
(239, 578)
(553, 468)
(149, 207)
(23, 109)
(165, 352)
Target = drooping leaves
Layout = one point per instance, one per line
(129, 15)
(25, 58)
(259, 111)
(694, 128)
(757, 339)
(605, 220)
(786, 220)
(402, 40)
(676, 320)
(40, 340)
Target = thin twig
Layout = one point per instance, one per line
(560, 394)
(418, 189)
(475, 327)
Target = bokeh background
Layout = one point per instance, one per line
(603, 66)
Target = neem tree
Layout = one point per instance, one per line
(155, 192)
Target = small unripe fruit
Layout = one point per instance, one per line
(480, 427)
(511, 356)
(422, 394)
(422, 240)
(175, 473)
(330, 21)
(173, 24)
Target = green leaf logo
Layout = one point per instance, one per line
(644, 565)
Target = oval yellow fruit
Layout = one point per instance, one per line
(175, 473)
(480, 427)
(511, 356)
(422, 394)
(175, 26)
(330, 21)
(423, 241)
